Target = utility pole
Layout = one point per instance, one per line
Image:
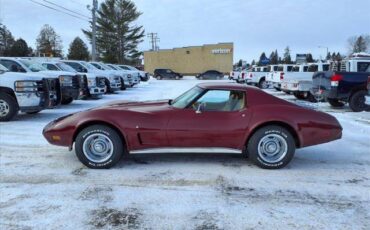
(93, 43)
(153, 40)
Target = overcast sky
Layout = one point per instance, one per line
(253, 25)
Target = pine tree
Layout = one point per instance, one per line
(240, 63)
(328, 56)
(48, 42)
(253, 62)
(287, 58)
(78, 50)
(117, 36)
(19, 48)
(274, 58)
(6, 40)
(359, 43)
(309, 58)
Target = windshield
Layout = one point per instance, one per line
(65, 67)
(88, 65)
(33, 66)
(113, 67)
(123, 67)
(132, 68)
(3, 68)
(106, 67)
(183, 100)
(295, 69)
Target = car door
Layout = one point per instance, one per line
(210, 122)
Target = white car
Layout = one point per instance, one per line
(25, 92)
(278, 75)
(112, 80)
(69, 82)
(257, 76)
(299, 80)
(134, 73)
(90, 82)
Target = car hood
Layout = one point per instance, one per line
(50, 73)
(142, 106)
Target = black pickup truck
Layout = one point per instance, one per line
(339, 88)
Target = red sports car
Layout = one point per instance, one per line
(210, 117)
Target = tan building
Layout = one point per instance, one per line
(191, 60)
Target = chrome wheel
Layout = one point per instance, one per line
(272, 148)
(98, 147)
(264, 85)
(4, 108)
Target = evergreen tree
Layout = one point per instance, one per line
(337, 57)
(359, 44)
(253, 62)
(6, 40)
(117, 35)
(78, 50)
(309, 58)
(240, 63)
(48, 42)
(328, 56)
(274, 58)
(19, 48)
(287, 58)
(262, 57)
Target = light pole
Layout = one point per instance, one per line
(327, 50)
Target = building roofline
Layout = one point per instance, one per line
(200, 46)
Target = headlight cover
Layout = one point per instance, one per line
(91, 82)
(25, 86)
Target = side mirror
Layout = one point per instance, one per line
(170, 101)
(200, 108)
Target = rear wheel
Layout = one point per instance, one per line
(8, 107)
(301, 96)
(335, 103)
(271, 147)
(99, 146)
(357, 102)
(159, 77)
(177, 77)
(262, 84)
(277, 89)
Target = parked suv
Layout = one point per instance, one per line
(166, 73)
(26, 92)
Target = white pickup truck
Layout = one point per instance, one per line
(67, 81)
(124, 75)
(272, 70)
(88, 81)
(234, 75)
(257, 76)
(111, 80)
(299, 80)
(278, 76)
(25, 92)
(134, 73)
(144, 76)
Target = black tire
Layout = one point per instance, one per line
(262, 84)
(357, 101)
(108, 134)
(277, 89)
(273, 131)
(66, 101)
(159, 77)
(311, 98)
(335, 103)
(300, 96)
(8, 107)
(123, 87)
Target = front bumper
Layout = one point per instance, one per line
(70, 92)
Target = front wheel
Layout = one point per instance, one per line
(263, 84)
(357, 102)
(99, 147)
(66, 101)
(335, 103)
(271, 147)
(8, 107)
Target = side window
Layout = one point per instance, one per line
(168, 71)
(51, 67)
(221, 100)
(12, 66)
(305, 68)
(289, 68)
(75, 66)
(363, 67)
(325, 67)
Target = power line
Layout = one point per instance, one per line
(72, 11)
(154, 39)
(52, 8)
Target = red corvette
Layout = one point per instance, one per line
(210, 117)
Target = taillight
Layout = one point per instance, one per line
(334, 80)
(243, 75)
(281, 76)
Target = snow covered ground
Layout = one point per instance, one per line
(46, 187)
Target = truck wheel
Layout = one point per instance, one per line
(123, 87)
(99, 147)
(335, 102)
(357, 101)
(271, 147)
(66, 101)
(277, 89)
(300, 96)
(8, 107)
(262, 84)
(311, 98)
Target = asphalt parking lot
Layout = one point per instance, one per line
(46, 187)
